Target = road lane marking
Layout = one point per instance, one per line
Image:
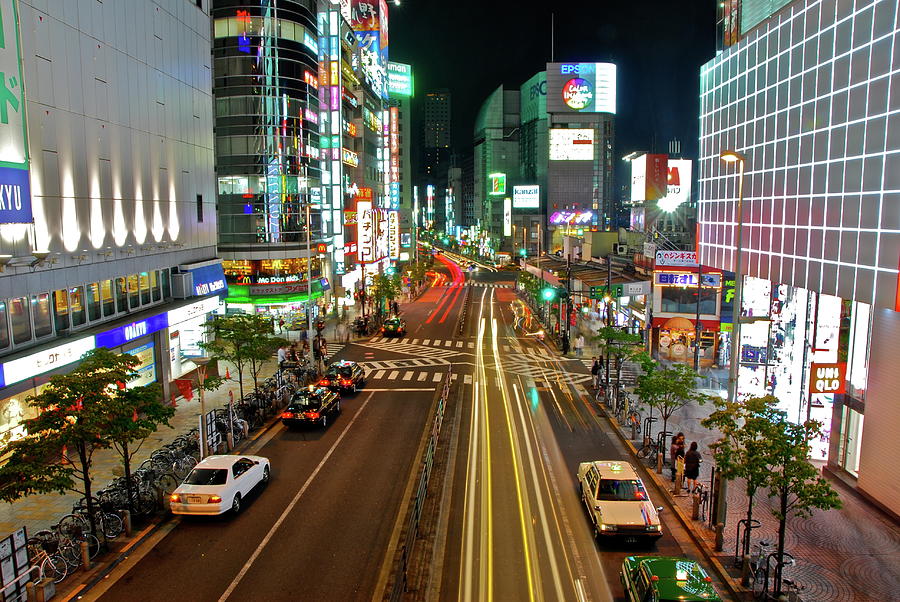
(459, 343)
(234, 583)
(422, 376)
(393, 374)
(408, 375)
(426, 341)
(437, 377)
(467, 379)
(393, 390)
(379, 374)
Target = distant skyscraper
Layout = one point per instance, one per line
(436, 132)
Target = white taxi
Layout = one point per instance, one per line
(218, 484)
(617, 501)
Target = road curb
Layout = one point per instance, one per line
(734, 588)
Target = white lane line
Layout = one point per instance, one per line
(379, 374)
(437, 376)
(408, 375)
(407, 390)
(290, 506)
(422, 376)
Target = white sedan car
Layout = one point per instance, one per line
(218, 484)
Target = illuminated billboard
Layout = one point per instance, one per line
(678, 185)
(507, 216)
(526, 197)
(399, 79)
(571, 144)
(581, 88)
(649, 175)
(369, 21)
(498, 183)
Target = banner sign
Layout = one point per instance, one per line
(43, 361)
(209, 279)
(124, 334)
(365, 231)
(677, 258)
(526, 197)
(393, 234)
(828, 378)
(687, 279)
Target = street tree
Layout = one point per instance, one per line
(385, 287)
(617, 344)
(667, 389)
(742, 451)
(243, 340)
(75, 417)
(794, 481)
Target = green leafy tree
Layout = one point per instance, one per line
(244, 340)
(794, 481)
(618, 345)
(76, 416)
(742, 450)
(136, 414)
(384, 288)
(667, 389)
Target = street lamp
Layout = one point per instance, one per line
(730, 156)
(201, 363)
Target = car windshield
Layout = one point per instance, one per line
(305, 401)
(336, 371)
(621, 490)
(207, 476)
(392, 322)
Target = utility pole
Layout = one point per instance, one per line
(698, 325)
(609, 315)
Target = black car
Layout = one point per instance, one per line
(393, 327)
(343, 376)
(311, 406)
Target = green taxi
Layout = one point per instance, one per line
(664, 579)
(393, 327)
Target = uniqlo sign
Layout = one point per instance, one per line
(828, 378)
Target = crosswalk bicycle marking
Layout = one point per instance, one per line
(459, 343)
(448, 343)
(467, 379)
(471, 345)
(426, 341)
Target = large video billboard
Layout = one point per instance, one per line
(649, 177)
(581, 88)
(369, 21)
(678, 185)
(569, 144)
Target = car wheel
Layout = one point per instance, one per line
(236, 504)
(265, 478)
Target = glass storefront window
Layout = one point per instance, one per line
(134, 299)
(20, 318)
(93, 301)
(76, 305)
(4, 330)
(145, 288)
(851, 438)
(684, 300)
(166, 284)
(121, 295)
(858, 352)
(61, 310)
(107, 299)
(40, 307)
(154, 285)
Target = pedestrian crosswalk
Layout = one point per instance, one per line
(431, 346)
(429, 377)
(490, 285)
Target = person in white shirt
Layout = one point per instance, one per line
(579, 345)
(282, 357)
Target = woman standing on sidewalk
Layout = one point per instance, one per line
(692, 461)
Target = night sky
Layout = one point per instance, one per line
(471, 47)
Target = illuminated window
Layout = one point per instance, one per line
(106, 297)
(61, 310)
(4, 327)
(134, 299)
(121, 295)
(76, 305)
(155, 286)
(40, 309)
(145, 288)
(93, 301)
(20, 319)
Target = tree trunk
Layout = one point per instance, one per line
(782, 528)
(240, 369)
(664, 430)
(126, 464)
(86, 475)
(745, 545)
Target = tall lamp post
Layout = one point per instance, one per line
(730, 156)
(201, 363)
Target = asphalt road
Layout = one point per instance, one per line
(321, 529)
(516, 527)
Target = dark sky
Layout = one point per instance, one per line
(471, 47)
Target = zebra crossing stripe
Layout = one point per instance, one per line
(378, 374)
(408, 376)
(437, 376)
(422, 376)
(453, 376)
(393, 375)
(415, 341)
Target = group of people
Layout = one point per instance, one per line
(578, 345)
(687, 462)
(290, 357)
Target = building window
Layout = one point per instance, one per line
(21, 320)
(40, 307)
(199, 207)
(61, 310)
(76, 305)
(121, 294)
(106, 296)
(4, 329)
(145, 288)
(166, 284)
(93, 301)
(134, 299)
(154, 285)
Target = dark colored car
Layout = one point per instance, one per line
(393, 327)
(665, 578)
(311, 406)
(344, 376)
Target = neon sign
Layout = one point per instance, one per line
(571, 217)
(578, 93)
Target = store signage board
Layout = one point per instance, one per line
(526, 197)
(15, 188)
(44, 361)
(686, 279)
(124, 334)
(677, 258)
(278, 289)
(209, 279)
(632, 289)
(828, 378)
(194, 310)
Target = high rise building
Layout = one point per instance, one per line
(400, 188)
(803, 90)
(436, 134)
(108, 221)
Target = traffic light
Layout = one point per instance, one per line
(548, 293)
(562, 293)
(523, 252)
(390, 270)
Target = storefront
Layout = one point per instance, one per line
(187, 332)
(674, 323)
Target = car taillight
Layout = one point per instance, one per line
(214, 499)
(175, 498)
(324, 383)
(382, 329)
(346, 382)
(312, 415)
(287, 415)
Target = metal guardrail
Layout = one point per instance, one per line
(410, 532)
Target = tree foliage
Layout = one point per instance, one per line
(666, 389)
(384, 288)
(243, 340)
(78, 413)
(617, 344)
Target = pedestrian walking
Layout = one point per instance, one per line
(565, 344)
(676, 448)
(280, 325)
(692, 460)
(282, 357)
(595, 371)
(579, 345)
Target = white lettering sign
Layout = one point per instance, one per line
(679, 258)
(42, 361)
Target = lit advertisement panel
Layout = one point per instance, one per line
(365, 231)
(393, 234)
(400, 79)
(507, 216)
(15, 184)
(498, 183)
(581, 88)
(678, 185)
(649, 176)
(571, 144)
(526, 197)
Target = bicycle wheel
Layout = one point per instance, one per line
(70, 551)
(111, 525)
(72, 526)
(642, 453)
(55, 568)
(93, 545)
(166, 484)
(760, 583)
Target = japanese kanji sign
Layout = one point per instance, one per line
(365, 231)
(15, 189)
(679, 258)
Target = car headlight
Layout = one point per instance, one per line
(605, 527)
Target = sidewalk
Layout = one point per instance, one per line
(842, 555)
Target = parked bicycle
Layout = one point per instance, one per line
(763, 566)
(45, 558)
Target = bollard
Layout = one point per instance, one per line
(30, 593)
(229, 436)
(676, 489)
(659, 463)
(695, 506)
(745, 570)
(85, 557)
(126, 521)
(720, 536)
(44, 590)
(633, 430)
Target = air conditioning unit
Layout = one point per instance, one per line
(182, 285)
(620, 248)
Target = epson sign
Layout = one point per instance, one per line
(576, 68)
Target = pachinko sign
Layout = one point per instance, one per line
(558, 218)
